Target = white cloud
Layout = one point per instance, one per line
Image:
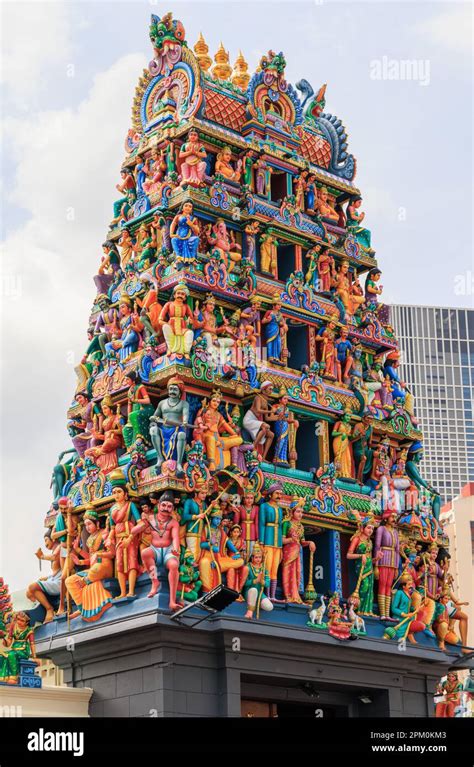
(67, 160)
(451, 29)
(36, 37)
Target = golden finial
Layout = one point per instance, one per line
(222, 69)
(240, 75)
(201, 49)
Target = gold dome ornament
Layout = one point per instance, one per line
(240, 76)
(222, 69)
(201, 49)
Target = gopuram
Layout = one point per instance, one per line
(239, 421)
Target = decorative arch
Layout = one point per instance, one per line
(179, 90)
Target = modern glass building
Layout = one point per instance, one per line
(437, 364)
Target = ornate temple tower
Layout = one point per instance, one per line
(239, 419)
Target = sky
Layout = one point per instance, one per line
(68, 76)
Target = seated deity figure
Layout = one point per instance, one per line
(224, 166)
(324, 207)
(107, 436)
(219, 556)
(217, 337)
(86, 586)
(155, 169)
(177, 320)
(218, 435)
(354, 220)
(219, 237)
(184, 234)
(193, 160)
(168, 426)
(347, 292)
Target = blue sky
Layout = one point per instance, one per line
(69, 72)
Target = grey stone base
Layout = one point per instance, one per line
(149, 666)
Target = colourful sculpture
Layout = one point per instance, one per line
(269, 401)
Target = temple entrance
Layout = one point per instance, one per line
(287, 698)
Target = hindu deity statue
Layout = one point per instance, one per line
(256, 419)
(219, 237)
(430, 581)
(337, 626)
(246, 516)
(248, 162)
(276, 329)
(414, 458)
(123, 537)
(184, 234)
(386, 569)
(168, 426)
(155, 170)
(125, 187)
(324, 207)
(193, 516)
(65, 532)
(293, 542)
(177, 321)
(257, 584)
(361, 439)
(325, 268)
(192, 156)
(219, 556)
(284, 427)
(146, 247)
(48, 585)
(354, 220)
(372, 289)
(218, 435)
(342, 447)
(84, 424)
(218, 338)
(345, 359)
(86, 586)
(299, 186)
(164, 548)
(268, 254)
(108, 268)
(405, 609)
(448, 611)
(139, 410)
(345, 290)
(20, 645)
(236, 538)
(270, 523)
(381, 466)
(127, 249)
(108, 437)
(263, 174)
(189, 584)
(327, 337)
(128, 338)
(311, 193)
(450, 691)
(361, 551)
(224, 166)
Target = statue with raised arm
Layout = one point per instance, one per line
(168, 426)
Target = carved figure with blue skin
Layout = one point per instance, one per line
(415, 456)
(392, 362)
(168, 426)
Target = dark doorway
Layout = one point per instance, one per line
(298, 343)
(285, 260)
(307, 444)
(278, 187)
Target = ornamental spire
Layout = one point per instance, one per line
(240, 75)
(222, 69)
(201, 49)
